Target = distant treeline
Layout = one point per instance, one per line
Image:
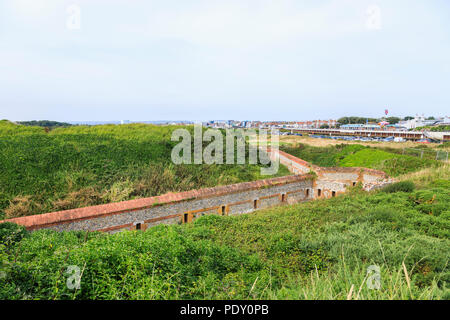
(361, 120)
(45, 123)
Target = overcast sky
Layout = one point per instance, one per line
(228, 59)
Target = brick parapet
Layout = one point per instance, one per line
(335, 183)
(66, 216)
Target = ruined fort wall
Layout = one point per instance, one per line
(176, 207)
(331, 181)
(309, 182)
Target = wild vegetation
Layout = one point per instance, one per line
(325, 249)
(441, 128)
(388, 244)
(354, 155)
(295, 140)
(78, 166)
(361, 120)
(45, 123)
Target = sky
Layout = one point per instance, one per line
(93, 60)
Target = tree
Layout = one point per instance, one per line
(45, 123)
(356, 120)
(393, 120)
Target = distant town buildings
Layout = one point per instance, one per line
(421, 121)
(418, 121)
(372, 126)
(315, 124)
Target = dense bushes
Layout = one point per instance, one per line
(164, 262)
(82, 166)
(11, 233)
(45, 123)
(323, 156)
(441, 128)
(314, 250)
(353, 155)
(402, 186)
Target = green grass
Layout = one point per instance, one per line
(315, 250)
(391, 163)
(404, 186)
(344, 155)
(87, 165)
(442, 128)
(323, 156)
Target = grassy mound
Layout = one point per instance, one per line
(87, 165)
(402, 186)
(354, 155)
(315, 250)
(323, 156)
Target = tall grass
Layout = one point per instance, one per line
(354, 155)
(314, 250)
(87, 165)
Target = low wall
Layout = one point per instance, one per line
(331, 181)
(294, 164)
(309, 182)
(173, 208)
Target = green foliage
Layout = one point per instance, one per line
(366, 158)
(354, 155)
(313, 250)
(402, 186)
(89, 165)
(162, 263)
(45, 123)
(361, 120)
(444, 145)
(441, 183)
(323, 156)
(11, 233)
(431, 201)
(356, 120)
(442, 128)
(393, 120)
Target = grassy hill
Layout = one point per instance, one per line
(390, 161)
(325, 249)
(316, 250)
(87, 165)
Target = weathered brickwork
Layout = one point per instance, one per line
(185, 207)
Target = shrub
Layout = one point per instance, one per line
(10, 233)
(432, 201)
(403, 186)
(81, 166)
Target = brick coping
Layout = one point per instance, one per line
(67, 216)
(352, 169)
(328, 169)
